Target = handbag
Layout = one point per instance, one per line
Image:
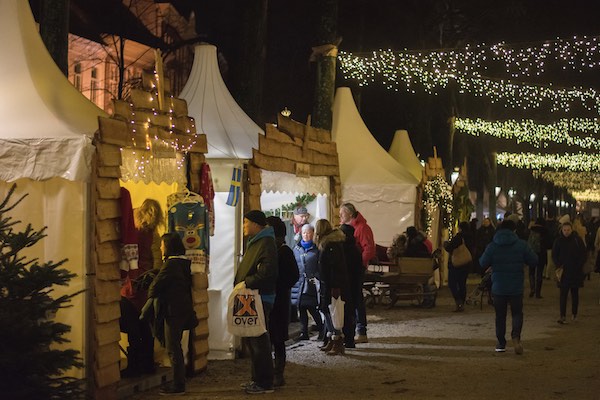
(245, 314)
(461, 256)
(336, 309)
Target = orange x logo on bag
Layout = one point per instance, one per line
(246, 308)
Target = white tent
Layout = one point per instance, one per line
(231, 135)
(382, 190)
(45, 147)
(403, 152)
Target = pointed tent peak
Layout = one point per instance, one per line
(402, 150)
(362, 159)
(37, 100)
(230, 132)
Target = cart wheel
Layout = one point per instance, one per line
(418, 294)
(386, 297)
(369, 298)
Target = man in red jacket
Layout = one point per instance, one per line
(366, 244)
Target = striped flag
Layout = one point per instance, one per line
(234, 189)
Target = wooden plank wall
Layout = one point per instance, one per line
(133, 122)
(297, 149)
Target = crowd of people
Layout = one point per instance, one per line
(299, 269)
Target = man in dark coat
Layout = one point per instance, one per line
(506, 257)
(354, 266)
(258, 270)
(280, 314)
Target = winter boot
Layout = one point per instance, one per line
(337, 347)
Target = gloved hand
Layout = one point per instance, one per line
(240, 286)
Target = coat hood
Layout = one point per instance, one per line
(358, 220)
(504, 237)
(265, 232)
(336, 235)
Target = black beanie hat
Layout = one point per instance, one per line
(257, 217)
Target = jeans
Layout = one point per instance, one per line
(173, 333)
(516, 309)
(457, 282)
(361, 310)
(314, 312)
(564, 294)
(260, 354)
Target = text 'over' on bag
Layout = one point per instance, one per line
(245, 314)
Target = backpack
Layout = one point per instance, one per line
(535, 242)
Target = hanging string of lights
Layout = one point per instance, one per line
(467, 67)
(538, 135)
(576, 181)
(570, 162)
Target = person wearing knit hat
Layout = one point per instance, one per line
(258, 270)
(256, 216)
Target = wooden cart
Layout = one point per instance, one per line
(409, 279)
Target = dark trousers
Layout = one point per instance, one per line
(314, 312)
(349, 321)
(501, 304)
(361, 310)
(564, 294)
(140, 353)
(260, 354)
(279, 358)
(536, 275)
(173, 333)
(457, 282)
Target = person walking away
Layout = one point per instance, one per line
(366, 245)
(170, 294)
(537, 241)
(334, 278)
(483, 237)
(506, 257)
(258, 270)
(280, 314)
(457, 275)
(553, 227)
(305, 294)
(354, 265)
(569, 254)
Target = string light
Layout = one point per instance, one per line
(570, 162)
(578, 181)
(538, 135)
(438, 195)
(435, 69)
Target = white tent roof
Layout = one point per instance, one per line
(367, 171)
(403, 152)
(44, 119)
(229, 131)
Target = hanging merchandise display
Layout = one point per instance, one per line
(188, 216)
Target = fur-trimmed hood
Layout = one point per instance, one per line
(336, 235)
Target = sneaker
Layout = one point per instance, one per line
(574, 317)
(245, 385)
(303, 336)
(361, 339)
(500, 348)
(518, 346)
(171, 391)
(562, 321)
(255, 389)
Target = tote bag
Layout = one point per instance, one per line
(336, 309)
(245, 314)
(461, 256)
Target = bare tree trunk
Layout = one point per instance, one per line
(54, 30)
(326, 61)
(253, 58)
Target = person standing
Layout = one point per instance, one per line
(293, 235)
(537, 240)
(506, 257)
(569, 254)
(258, 270)
(483, 237)
(171, 293)
(457, 274)
(280, 314)
(354, 265)
(366, 245)
(305, 294)
(334, 278)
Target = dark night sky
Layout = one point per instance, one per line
(367, 25)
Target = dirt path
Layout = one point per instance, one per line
(416, 353)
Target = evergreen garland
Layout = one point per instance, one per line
(31, 367)
(301, 200)
(438, 194)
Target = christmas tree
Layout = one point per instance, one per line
(32, 368)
